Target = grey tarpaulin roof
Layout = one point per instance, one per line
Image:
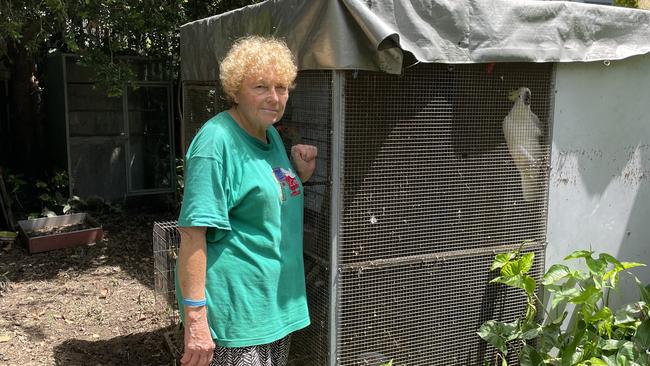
(374, 34)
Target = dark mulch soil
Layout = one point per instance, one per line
(89, 305)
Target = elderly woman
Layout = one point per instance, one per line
(240, 279)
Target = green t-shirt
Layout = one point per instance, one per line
(251, 200)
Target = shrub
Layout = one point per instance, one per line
(601, 336)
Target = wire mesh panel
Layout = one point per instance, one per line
(424, 312)
(307, 120)
(165, 251)
(443, 165)
(427, 166)
(201, 101)
(91, 156)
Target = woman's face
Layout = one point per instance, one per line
(261, 100)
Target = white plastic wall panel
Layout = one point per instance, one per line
(599, 194)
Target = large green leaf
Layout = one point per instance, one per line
(577, 356)
(551, 334)
(595, 362)
(571, 354)
(555, 273)
(579, 254)
(526, 262)
(510, 269)
(596, 266)
(610, 259)
(610, 344)
(500, 260)
(612, 275)
(601, 318)
(530, 357)
(580, 275)
(589, 295)
(523, 282)
(531, 331)
(629, 313)
(564, 296)
(553, 288)
(642, 336)
(625, 354)
(644, 290)
(609, 360)
(496, 333)
(628, 265)
(529, 285)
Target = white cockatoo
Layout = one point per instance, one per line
(522, 132)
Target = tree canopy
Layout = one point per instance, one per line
(100, 30)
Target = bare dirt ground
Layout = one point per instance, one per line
(89, 305)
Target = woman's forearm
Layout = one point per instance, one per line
(191, 263)
(198, 343)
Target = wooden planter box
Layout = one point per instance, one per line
(65, 231)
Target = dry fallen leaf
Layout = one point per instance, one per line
(95, 336)
(103, 293)
(68, 321)
(4, 338)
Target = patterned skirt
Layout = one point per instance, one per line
(271, 354)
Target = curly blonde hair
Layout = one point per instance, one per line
(252, 56)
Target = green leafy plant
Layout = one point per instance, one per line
(15, 186)
(53, 195)
(627, 3)
(601, 336)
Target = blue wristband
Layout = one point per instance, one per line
(194, 303)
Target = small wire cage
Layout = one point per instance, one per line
(165, 251)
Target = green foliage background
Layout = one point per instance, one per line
(100, 30)
(627, 3)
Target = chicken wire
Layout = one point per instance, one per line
(166, 240)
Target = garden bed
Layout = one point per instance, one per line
(65, 231)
